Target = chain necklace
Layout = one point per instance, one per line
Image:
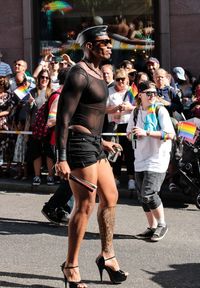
(91, 68)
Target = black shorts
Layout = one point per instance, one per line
(38, 148)
(83, 149)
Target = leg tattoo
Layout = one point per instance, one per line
(106, 221)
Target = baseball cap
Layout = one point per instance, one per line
(89, 34)
(180, 73)
(132, 71)
(153, 60)
(146, 85)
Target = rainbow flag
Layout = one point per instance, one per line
(21, 91)
(58, 5)
(132, 92)
(187, 130)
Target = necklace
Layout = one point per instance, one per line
(91, 68)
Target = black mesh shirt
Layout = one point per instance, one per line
(82, 102)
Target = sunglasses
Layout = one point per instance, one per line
(18, 64)
(44, 77)
(104, 42)
(150, 93)
(120, 79)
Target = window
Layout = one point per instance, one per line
(131, 29)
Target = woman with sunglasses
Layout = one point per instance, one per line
(151, 132)
(80, 117)
(119, 109)
(39, 147)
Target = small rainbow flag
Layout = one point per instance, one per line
(21, 91)
(132, 92)
(187, 130)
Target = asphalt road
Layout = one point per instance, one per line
(32, 249)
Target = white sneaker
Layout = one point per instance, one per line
(131, 184)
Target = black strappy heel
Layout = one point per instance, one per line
(116, 277)
(72, 284)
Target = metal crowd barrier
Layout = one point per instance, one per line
(30, 133)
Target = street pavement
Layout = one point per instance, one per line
(32, 249)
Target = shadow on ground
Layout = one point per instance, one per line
(179, 276)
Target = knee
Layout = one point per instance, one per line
(85, 208)
(153, 200)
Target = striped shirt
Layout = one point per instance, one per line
(5, 69)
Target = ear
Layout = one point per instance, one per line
(89, 45)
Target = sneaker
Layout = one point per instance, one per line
(131, 184)
(36, 181)
(57, 216)
(50, 180)
(147, 234)
(63, 216)
(159, 233)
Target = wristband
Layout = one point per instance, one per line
(61, 155)
(162, 137)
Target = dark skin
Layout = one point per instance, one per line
(99, 173)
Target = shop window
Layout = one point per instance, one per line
(131, 28)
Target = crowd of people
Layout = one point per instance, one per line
(84, 100)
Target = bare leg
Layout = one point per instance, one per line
(151, 220)
(50, 165)
(37, 163)
(84, 202)
(158, 214)
(108, 196)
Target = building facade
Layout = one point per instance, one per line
(174, 40)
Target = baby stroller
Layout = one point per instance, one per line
(188, 168)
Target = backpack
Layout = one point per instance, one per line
(40, 129)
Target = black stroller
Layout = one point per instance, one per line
(187, 156)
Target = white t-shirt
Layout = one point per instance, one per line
(116, 98)
(152, 154)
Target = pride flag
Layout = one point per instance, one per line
(132, 92)
(21, 91)
(58, 5)
(187, 130)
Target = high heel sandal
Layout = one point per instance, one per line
(116, 277)
(72, 284)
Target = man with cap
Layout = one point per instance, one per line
(80, 116)
(5, 69)
(152, 64)
(179, 73)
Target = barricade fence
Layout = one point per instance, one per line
(30, 133)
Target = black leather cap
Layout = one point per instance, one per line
(89, 34)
